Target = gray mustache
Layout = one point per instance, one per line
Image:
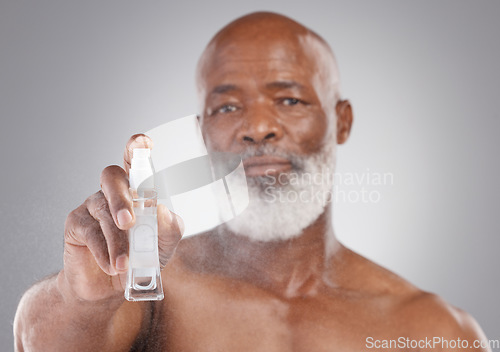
(296, 160)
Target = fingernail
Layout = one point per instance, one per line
(122, 262)
(124, 217)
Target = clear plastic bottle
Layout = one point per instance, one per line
(144, 274)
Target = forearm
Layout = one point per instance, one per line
(51, 318)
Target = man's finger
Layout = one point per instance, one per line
(116, 239)
(136, 141)
(82, 230)
(115, 187)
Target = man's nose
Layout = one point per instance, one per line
(259, 126)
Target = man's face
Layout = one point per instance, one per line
(269, 99)
(264, 91)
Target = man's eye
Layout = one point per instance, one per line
(290, 101)
(226, 108)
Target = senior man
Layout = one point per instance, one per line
(274, 278)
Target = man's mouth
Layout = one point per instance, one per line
(265, 165)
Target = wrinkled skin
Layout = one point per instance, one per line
(263, 79)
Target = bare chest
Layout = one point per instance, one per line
(231, 316)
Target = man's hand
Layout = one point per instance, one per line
(96, 241)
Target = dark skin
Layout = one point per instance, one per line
(263, 79)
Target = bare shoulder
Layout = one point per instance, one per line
(46, 320)
(423, 313)
(41, 292)
(431, 315)
(38, 297)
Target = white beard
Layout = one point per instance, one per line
(282, 211)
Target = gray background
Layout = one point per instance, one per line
(78, 78)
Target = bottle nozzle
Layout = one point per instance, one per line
(141, 153)
(141, 167)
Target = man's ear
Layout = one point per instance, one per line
(344, 120)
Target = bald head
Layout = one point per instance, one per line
(266, 35)
(259, 26)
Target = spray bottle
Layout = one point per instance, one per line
(144, 275)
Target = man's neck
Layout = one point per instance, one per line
(290, 268)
